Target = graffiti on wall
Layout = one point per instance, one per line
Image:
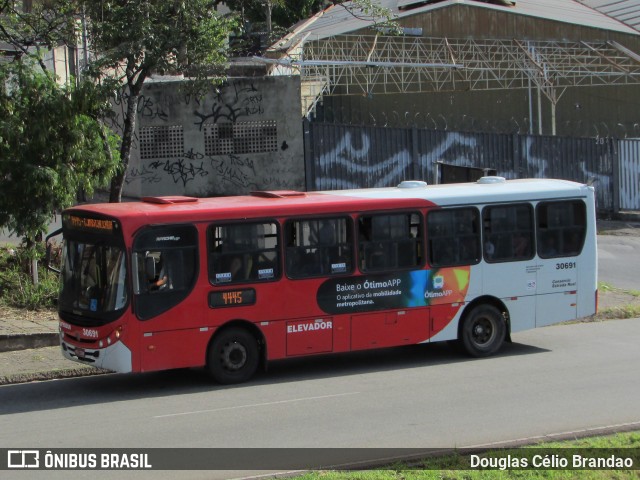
(237, 164)
(354, 160)
(246, 101)
(234, 170)
(229, 169)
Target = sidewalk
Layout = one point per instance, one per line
(29, 342)
(29, 349)
(21, 330)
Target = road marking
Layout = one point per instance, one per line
(254, 405)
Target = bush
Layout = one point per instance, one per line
(16, 284)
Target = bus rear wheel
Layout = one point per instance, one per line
(233, 356)
(483, 331)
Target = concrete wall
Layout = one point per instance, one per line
(245, 135)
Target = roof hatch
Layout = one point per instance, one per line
(169, 200)
(491, 180)
(412, 184)
(278, 194)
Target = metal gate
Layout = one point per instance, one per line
(629, 173)
(347, 156)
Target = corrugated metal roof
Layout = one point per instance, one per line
(625, 11)
(339, 20)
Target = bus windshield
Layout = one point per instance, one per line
(93, 278)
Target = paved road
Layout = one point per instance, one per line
(619, 261)
(552, 380)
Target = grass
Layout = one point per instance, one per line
(17, 289)
(619, 313)
(456, 467)
(607, 287)
(625, 310)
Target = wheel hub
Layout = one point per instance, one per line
(234, 356)
(482, 332)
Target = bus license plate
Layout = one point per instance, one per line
(80, 352)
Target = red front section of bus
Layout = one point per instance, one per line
(292, 318)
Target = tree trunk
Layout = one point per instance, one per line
(34, 271)
(128, 130)
(269, 26)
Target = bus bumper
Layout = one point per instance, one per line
(116, 357)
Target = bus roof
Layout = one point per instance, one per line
(485, 190)
(155, 210)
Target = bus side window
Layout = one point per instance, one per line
(243, 252)
(561, 228)
(167, 267)
(453, 237)
(390, 241)
(508, 233)
(316, 247)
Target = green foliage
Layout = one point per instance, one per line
(52, 144)
(286, 13)
(42, 27)
(16, 288)
(290, 12)
(163, 36)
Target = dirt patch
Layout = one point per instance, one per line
(28, 315)
(618, 227)
(617, 303)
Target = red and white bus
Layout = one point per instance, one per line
(231, 283)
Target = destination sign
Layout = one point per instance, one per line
(98, 225)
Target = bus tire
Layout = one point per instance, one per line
(483, 331)
(233, 356)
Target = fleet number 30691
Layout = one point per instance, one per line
(565, 265)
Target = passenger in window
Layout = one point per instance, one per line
(572, 244)
(549, 247)
(161, 280)
(489, 249)
(521, 245)
(376, 256)
(326, 233)
(235, 266)
(241, 268)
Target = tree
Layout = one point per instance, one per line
(53, 141)
(292, 11)
(279, 15)
(37, 29)
(135, 39)
(52, 144)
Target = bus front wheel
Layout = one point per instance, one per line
(233, 356)
(483, 331)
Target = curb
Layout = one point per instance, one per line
(9, 343)
(51, 375)
(628, 216)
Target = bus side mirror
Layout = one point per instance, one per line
(49, 248)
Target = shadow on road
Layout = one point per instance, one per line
(56, 394)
